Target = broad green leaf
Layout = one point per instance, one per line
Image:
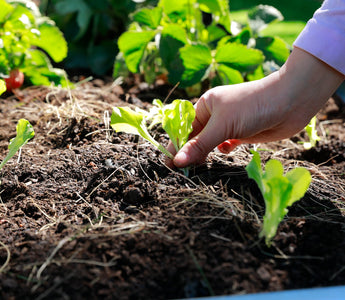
(214, 33)
(25, 132)
(279, 191)
(196, 61)
(52, 41)
(274, 48)
(258, 73)
(176, 9)
(39, 71)
(220, 9)
(173, 37)
(149, 17)
(124, 119)
(226, 75)
(286, 30)
(262, 15)
(239, 57)
(177, 122)
(132, 45)
(5, 10)
(2, 86)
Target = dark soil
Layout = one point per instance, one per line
(86, 213)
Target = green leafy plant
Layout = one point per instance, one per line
(176, 119)
(26, 40)
(91, 29)
(25, 132)
(312, 134)
(251, 33)
(279, 191)
(194, 40)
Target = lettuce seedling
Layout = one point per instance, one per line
(312, 134)
(279, 191)
(176, 119)
(25, 132)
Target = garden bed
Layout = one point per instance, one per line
(87, 213)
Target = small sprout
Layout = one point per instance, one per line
(25, 132)
(176, 119)
(312, 134)
(279, 191)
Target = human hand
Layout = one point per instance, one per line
(273, 108)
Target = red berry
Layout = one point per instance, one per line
(15, 80)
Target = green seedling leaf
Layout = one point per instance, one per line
(177, 122)
(176, 119)
(25, 132)
(262, 15)
(312, 134)
(279, 191)
(149, 17)
(124, 119)
(133, 45)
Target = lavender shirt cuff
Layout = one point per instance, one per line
(324, 35)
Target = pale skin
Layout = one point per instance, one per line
(273, 108)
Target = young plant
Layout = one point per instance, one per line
(91, 29)
(274, 48)
(25, 132)
(194, 40)
(26, 40)
(279, 191)
(176, 119)
(175, 38)
(312, 134)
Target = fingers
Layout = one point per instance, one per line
(197, 149)
(229, 145)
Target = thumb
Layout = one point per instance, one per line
(196, 150)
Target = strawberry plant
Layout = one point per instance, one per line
(194, 40)
(176, 119)
(25, 132)
(279, 191)
(26, 40)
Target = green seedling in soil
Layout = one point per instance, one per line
(192, 41)
(279, 191)
(312, 134)
(176, 119)
(25, 132)
(28, 41)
